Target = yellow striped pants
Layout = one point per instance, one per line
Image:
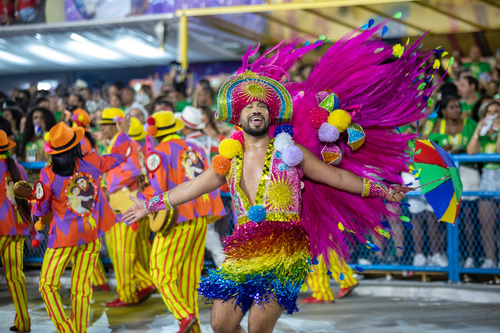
(11, 251)
(176, 265)
(319, 280)
(143, 243)
(129, 273)
(143, 249)
(55, 261)
(99, 277)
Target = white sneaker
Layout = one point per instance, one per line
(444, 259)
(488, 264)
(419, 260)
(469, 263)
(438, 260)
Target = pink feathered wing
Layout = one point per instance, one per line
(381, 93)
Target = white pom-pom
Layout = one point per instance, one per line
(282, 141)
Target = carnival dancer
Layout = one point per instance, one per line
(14, 227)
(76, 117)
(319, 280)
(143, 242)
(177, 256)
(73, 235)
(121, 239)
(193, 125)
(289, 199)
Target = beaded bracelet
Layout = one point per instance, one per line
(157, 203)
(374, 189)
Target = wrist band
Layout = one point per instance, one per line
(374, 189)
(157, 203)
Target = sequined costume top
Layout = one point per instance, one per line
(278, 192)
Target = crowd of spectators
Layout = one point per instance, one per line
(465, 99)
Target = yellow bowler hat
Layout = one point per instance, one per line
(163, 123)
(109, 115)
(136, 130)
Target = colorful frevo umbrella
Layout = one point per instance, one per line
(442, 186)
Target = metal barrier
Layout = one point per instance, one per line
(456, 242)
(463, 240)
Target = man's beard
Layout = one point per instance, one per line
(255, 131)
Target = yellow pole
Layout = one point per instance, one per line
(282, 6)
(183, 42)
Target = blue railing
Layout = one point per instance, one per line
(453, 232)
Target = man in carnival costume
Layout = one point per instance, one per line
(291, 202)
(121, 240)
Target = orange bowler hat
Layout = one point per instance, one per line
(62, 138)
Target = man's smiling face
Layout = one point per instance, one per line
(255, 119)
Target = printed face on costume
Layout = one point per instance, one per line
(254, 119)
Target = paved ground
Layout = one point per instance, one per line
(356, 313)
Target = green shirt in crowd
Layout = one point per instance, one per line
(489, 146)
(460, 140)
(477, 68)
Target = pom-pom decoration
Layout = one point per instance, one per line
(46, 137)
(221, 165)
(292, 156)
(81, 118)
(152, 130)
(328, 133)
(238, 136)
(47, 147)
(256, 213)
(356, 136)
(285, 128)
(229, 148)
(151, 121)
(282, 142)
(39, 226)
(134, 226)
(340, 119)
(35, 243)
(332, 153)
(39, 236)
(318, 116)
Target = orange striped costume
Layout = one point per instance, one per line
(121, 183)
(177, 258)
(74, 235)
(12, 234)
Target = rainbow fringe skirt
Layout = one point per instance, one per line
(263, 260)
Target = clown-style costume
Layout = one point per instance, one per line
(72, 235)
(122, 239)
(13, 231)
(177, 257)
(143, 242)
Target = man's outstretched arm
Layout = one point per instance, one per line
(321, 172)
(204, 183)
